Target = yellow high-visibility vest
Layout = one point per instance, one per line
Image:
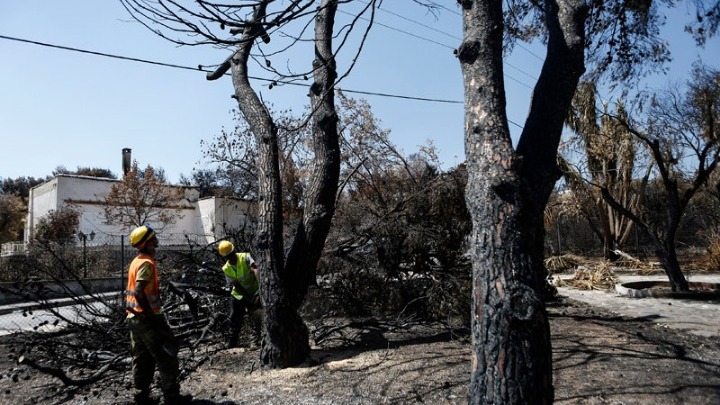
(242, 273)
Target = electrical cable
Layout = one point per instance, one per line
(201, 69)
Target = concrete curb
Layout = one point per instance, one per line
(644, 289)
(58, 302)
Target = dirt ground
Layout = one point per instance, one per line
(599, 358)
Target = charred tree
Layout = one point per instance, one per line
(506, 195)
(284, 280)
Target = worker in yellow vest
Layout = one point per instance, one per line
(152, 343)
(241, 274)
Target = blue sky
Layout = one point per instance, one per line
(62, 108)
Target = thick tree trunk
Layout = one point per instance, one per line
(506, 197)
(665, 248)
(319, 202)
(510, 331)
(669, 260)
(284, 281)
(286, 340)
(538, 145)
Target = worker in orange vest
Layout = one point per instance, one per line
(152, 343)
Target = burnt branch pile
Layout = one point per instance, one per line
(85, 341)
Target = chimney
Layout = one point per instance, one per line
(126, 152)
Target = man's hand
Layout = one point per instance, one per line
(141, 298)
(256, 301)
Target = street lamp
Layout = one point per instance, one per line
(84, 238)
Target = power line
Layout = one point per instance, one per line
(435, 100)
(519, 45)
(445, 45)
(526, 49)
(421, 24)
(200, 68)
(107, 55)
(401, 31)
(438, 5)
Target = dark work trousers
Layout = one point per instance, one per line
(238, 309)
(152, 343)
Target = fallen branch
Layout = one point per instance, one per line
(69, 381)
(626, 256)
(638, 264)
(324, 331)
(205, 331)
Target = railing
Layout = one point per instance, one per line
(167, 242)
(12, 249)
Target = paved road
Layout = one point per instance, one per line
(698, 317)
(26, 316)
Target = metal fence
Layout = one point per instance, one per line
(12, 248)
(96, 268)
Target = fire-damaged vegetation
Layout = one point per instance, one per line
(82, 346)
(83, 339)
(390, 295)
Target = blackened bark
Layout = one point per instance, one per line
(284, 280)
(286, 340)
(668, 258)
(510, 331)
(665, 248)
(664, 245)
(506, 197)
(538, 144)
(319, 202)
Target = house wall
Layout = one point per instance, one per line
(203, 221)
(221, 216)
(42, 199)
(88, 195)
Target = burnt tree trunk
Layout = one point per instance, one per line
(664, 244)
(286, 335)
(320, 194)
(608, 237)
(284, 280)
(506, 196)
(665, 248)
(540, 138)
(669, 260)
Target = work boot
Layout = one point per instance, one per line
(145, 399)
(178, 399)
(233, 342)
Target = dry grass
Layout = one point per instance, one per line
(628, 262)
(599, 277)
(561, 264)
(711, 261)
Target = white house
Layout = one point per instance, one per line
(202, 220)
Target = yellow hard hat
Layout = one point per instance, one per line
(225, 248)
(140, 235)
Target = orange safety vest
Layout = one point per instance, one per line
(152, 290)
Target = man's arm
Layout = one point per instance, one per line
(254, 269)
(256, 300)
(142, 298)
(232, 282)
